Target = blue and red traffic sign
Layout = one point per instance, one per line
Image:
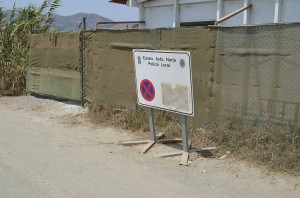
(164, 80)
(147, 90)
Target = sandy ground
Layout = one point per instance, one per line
(48, 149)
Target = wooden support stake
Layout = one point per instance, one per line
(148, 146)
(131, 143)
(160, 135)
(204, 149)
(168, 141)
(170, 154)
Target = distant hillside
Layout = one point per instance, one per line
(71, 23)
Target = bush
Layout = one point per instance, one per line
(14, 30)
(12, 79)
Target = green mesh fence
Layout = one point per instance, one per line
(257, 72)
(54, 66)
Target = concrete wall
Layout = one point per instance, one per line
(54, 68)
(249, 71)
(252, 72)
(159, 13)
(109, 71)
(256, 74)
(205, 11)
(158, 16)
(109, 68)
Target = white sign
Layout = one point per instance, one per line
(164, 80)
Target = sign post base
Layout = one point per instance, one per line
(154, 138)
(158, 139)
(186, 144)
(185, 159)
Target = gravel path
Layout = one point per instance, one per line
(48, 149)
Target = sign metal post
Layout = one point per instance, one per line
(151, 124)
(185, 142)
(164, 82)
(184, 134)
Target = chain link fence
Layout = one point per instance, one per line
(249, 71)
(257, 72)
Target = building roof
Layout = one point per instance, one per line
(119, 1)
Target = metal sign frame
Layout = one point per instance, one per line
(185, 142)
(190, 80)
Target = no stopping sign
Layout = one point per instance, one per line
(147, 90)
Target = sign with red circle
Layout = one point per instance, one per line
(147, 90)
(164, 80)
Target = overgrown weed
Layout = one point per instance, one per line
(12, 80)
(275, 146)
(15, 26)
(133, 119)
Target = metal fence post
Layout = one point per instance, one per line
(84, 23)
(81, 51)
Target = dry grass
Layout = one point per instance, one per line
(12, 80)
(273, 145)
(277, 147)
(134, 119)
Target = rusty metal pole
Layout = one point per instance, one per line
(84, 23)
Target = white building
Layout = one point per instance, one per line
(175, 13)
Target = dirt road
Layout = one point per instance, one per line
(48, 150)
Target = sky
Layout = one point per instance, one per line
(112, 11)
